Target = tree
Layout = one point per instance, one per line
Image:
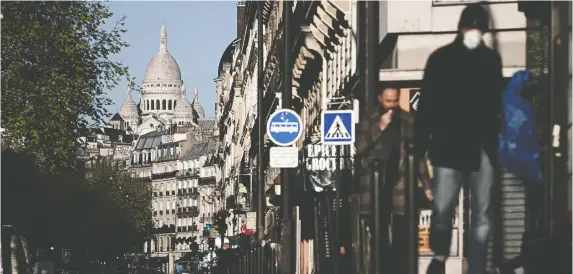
(55, 74)
(124, 201)
(101, 210)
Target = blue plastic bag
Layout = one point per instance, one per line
(519, 150)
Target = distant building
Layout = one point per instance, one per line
(163, 100)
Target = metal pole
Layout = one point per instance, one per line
(287, 241)
(359, 185)
(411, 210)
(337, 242)
(377, 212)
(261, 128)
(551, 117)
(251, 188)
(372, 40)
(559, 148)
(371, 83)
(261, 132)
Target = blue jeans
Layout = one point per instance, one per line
(446, 186)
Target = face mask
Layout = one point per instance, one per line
(472, 38)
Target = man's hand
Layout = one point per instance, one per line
(385, 120)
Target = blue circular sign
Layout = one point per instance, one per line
(284, 127)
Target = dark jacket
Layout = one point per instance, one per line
(459, 106)
(372, 144)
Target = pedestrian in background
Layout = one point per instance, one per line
(459, 107)
(390, 128)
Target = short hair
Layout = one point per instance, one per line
(387, 87)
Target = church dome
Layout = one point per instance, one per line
(200, 112)
(183, 109)
(162, 66)
(129, 108)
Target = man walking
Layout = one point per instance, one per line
(459, 108)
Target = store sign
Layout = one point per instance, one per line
(321, 157)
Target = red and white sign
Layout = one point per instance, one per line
(246, 231)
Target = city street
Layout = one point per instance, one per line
(291, 137)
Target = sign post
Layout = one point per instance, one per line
(66, 256)
(337, 127)
(284, 128)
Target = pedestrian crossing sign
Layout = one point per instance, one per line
(337, 127)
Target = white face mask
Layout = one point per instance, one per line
(472, 38)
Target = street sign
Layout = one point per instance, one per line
(66, 256)
(284, 127)
(246, 231)
(283, 157)
(337, 127)
(251, 220)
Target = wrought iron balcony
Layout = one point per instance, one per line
(191, 191)
(163, 175)
(207, 181)
(190, 172)
(191, 211)
(170, 157)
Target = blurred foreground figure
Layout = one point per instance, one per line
(459, 108)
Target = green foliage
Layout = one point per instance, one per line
(83, 210)
(56, 69)
(118, 185)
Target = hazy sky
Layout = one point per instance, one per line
(197, 35)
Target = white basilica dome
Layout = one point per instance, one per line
(162, 66)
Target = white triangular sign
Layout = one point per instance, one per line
(337, 130)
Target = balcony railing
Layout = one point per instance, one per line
(207, 180)
(191, 191)
(163, 175)
(145, 179)
(188, 228)
(191, 211)
(190, 172)
(166, 158)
